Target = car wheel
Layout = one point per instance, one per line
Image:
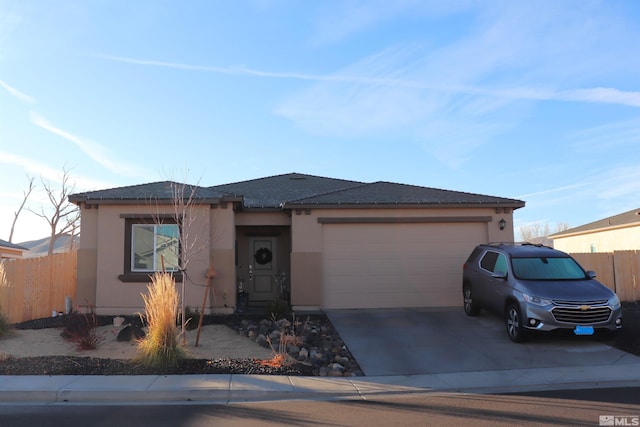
(513, 321)
(470, 307)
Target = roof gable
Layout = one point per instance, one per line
(274, 191)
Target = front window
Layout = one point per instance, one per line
(150, 244)
(543, 268)
(154, 247)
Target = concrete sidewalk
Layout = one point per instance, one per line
(225, 389)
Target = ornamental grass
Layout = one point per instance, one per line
(160, 348)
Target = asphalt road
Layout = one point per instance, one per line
(566, 407)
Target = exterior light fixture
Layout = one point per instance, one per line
(502, 224)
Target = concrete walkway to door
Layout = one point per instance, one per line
(416, 341)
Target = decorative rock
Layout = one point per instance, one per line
(130, 332)
(312, 340)
(337, 367)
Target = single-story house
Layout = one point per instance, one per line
(321, 243)
(11, 250)
(615, 233)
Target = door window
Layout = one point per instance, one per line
(494, 262)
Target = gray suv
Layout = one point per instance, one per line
(537, 288)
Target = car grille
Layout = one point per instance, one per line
(580, 315)
(579, 303)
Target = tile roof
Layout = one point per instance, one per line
(299, 190)
(5, 244)
(274, 191)
(625, 218)
(389, 193)
(162, 190)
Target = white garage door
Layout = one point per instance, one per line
(396, 265)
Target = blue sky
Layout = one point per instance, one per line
(534, 100)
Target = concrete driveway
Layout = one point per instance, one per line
(414, 341)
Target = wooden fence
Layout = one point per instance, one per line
(33, 288)
(619, 270)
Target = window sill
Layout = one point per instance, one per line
(144, 277)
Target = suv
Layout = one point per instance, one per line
(537, 288)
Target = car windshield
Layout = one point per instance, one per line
(543, 268)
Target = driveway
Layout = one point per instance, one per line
(413, 341)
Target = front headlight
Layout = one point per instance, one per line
(615, 302)
(536, 300)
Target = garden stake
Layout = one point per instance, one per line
(211, 273)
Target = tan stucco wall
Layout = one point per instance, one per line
(223, 252)
(306, 230)
(101, 253)
(104, 229)
(614, 239)
(87, 259)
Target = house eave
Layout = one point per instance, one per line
(565, 234)
(151, 201)
(399, 205)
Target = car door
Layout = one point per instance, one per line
(494, 272)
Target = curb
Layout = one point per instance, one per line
(228, 389)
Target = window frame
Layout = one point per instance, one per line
(131, 275)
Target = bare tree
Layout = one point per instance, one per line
(185, 204)
(539, 233)
(64, 215)
(17, 213)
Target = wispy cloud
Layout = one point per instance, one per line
(32, 167)
(593, 95)
(17, 94)
(95, 151)
(36, 168)
(608, 137)
(549, 191)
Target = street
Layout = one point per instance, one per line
(567, 407)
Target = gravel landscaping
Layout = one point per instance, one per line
(317, 350)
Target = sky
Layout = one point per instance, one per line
(533, 100)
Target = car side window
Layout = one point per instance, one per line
(494, 262)
(488, 261)
(501, 265)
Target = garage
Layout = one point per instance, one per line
(397, 264)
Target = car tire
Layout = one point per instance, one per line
(513, 322)
(471, 308)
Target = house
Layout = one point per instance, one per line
(11, 250)
(321, 243)
(615, 233)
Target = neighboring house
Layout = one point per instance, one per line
(11, 250)
(616, 233)
(329, 243)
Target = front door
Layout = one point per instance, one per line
(263, 267)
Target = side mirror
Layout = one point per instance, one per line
(499, 275)
(591, 274)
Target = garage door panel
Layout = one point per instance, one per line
(396, 265)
